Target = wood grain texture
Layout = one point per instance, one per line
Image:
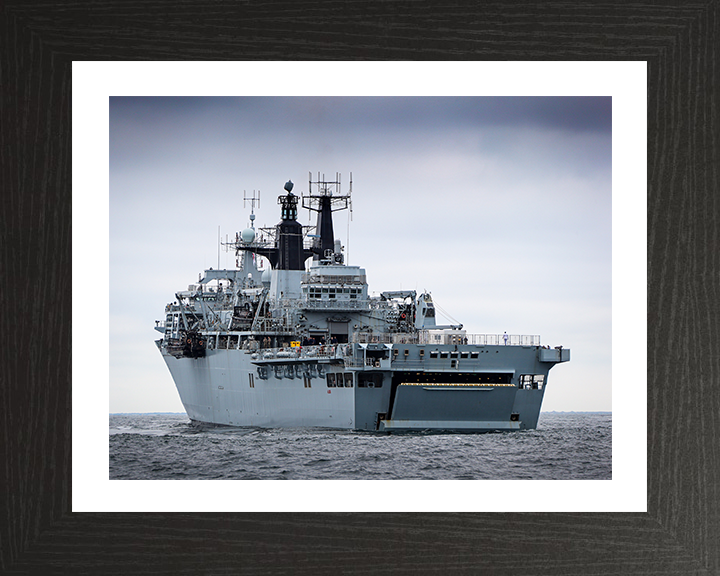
(680, 533)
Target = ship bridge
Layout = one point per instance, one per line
(334, 283)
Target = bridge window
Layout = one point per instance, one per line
(330, 380)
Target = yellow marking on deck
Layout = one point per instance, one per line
(475, 385)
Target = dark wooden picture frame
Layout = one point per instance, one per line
(680, 532)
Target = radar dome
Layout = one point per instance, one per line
(289, 185)
(247, 235)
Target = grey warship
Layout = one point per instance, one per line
(301, 343)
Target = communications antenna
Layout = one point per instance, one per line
(252, 201)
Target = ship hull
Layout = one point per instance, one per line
(304, 344)
(367, 387)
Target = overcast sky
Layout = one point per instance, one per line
(500, 207)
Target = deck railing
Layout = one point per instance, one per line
(303, 352)
(447, 337)
(336, 304)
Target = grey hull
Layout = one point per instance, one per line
(403, 391)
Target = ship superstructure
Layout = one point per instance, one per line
(301, 343)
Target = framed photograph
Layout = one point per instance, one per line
(656, 514)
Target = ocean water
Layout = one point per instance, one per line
(565, 446)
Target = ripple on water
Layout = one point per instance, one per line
(565, 446)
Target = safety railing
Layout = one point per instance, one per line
(446, 337)
(336, 304)
(317, 277)
(304, 352)
(481, 339)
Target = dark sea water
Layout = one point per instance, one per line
(566, 446)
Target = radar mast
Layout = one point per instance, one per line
(325, 199)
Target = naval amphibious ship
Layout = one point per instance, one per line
(301, 343)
